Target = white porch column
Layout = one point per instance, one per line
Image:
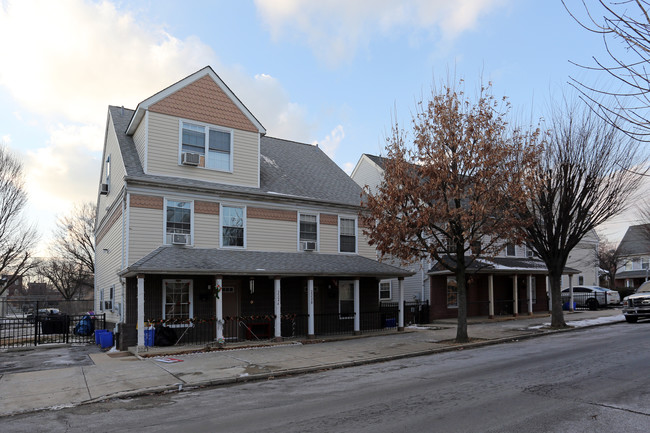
(140, 311)
(400, 287)
(491, 296)
(515, 297)
(530, 295)
(278, 309)
(219, 307)
(570, 292)
(357, 308)
(310, 308)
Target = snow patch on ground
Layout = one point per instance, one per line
(586, 322)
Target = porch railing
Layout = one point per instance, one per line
(261, 327)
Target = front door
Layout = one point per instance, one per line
(231, 293)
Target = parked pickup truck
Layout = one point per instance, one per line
(637, 306)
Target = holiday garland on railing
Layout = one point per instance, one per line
(195, 320)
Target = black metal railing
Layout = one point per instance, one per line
(261, 327)
(49, 328)
(415, 312)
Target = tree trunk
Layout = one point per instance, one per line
(461, 328)
(557, 315)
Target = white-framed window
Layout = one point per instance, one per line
(346, 299)
(106, 302)
(213, 144)
(178, 219)
(347, 235)
(510, 250)
(645, 263)
(385, 290)
(529, 252)
(233, 226)
(452, 292)
(177, 299)
(581, 280)
(628, 265)
(307, 230)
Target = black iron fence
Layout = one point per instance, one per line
(29, 322)
(415, 312)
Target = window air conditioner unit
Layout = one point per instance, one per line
(104, 189)
(189, 158)
(309, 246)
(180, 239)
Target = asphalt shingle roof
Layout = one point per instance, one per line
(172, 259)
(636, 240)
(496, 265)
(287, 169)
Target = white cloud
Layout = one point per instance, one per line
(331, 142)
(5, 139)
(348, 167)
(336, 29)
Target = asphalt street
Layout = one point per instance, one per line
(587, 380)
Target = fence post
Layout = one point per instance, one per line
(36, 325)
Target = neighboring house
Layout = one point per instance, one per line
(369, 172)
(512, 283)
(202, 219)
(584, 258)
(634, 250)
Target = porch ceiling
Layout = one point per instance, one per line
(501, 265)
(179, 260)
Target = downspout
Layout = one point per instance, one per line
(125, 245)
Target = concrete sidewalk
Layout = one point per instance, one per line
(121, 374)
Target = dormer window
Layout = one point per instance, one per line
(213, 145)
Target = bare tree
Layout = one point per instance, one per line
(17, 239)
(67, 277)
(609, 260)
(455, 193)
(74, 238)
(624, 26)
(583, 180)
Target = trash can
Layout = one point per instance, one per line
(55, 324)
(106, 339)
(149, 337)
(98, 334)
(391, 323)
(565, 306)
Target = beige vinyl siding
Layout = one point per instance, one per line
(363, 248)
(206, 230)
(108, 264)
(271, 235)
(117, 171)
(145, 232)
(163, 154)
(140, 140)
(328, 239)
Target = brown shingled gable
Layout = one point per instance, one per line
(204, 101)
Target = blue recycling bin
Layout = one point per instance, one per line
(98, 334)
(149, 337)
(391, 323)
(106, 339)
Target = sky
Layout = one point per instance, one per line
(337, 73)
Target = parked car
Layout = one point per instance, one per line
(637, 306)
(42, 312)
(592, 297)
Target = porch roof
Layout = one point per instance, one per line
(501, 265)
(204, 261)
